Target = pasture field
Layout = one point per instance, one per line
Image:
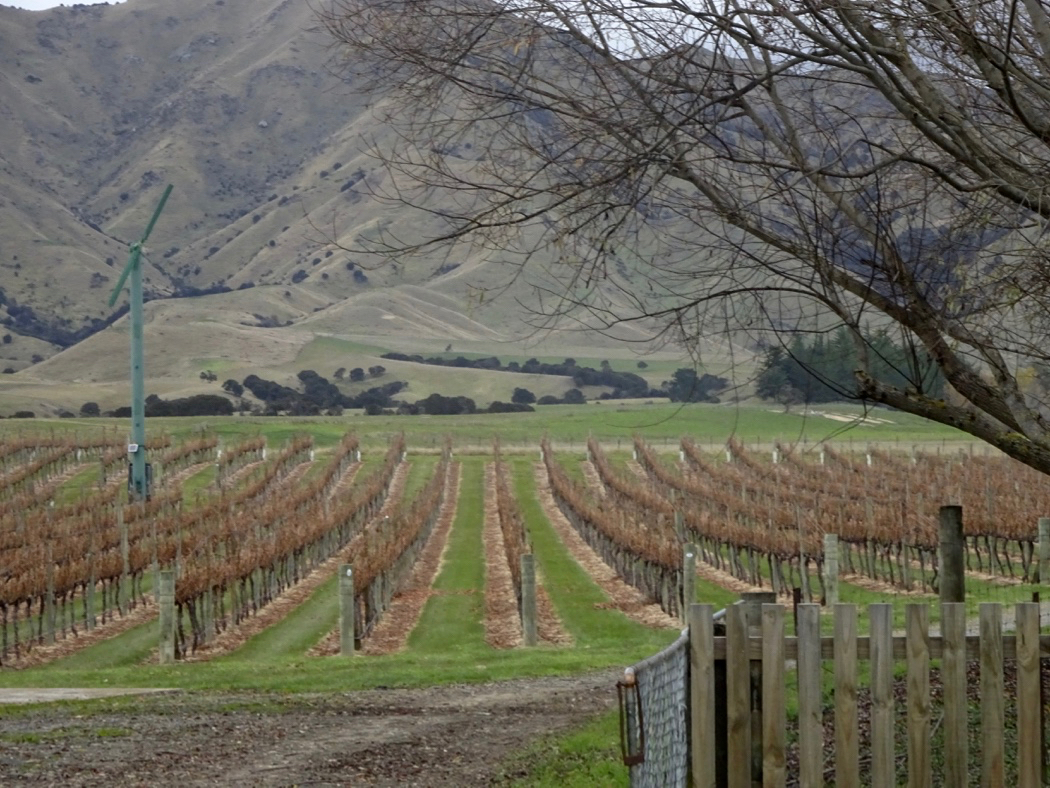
(569, 426)
(257, 516)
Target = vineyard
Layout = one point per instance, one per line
(308, 560)
(265, 524)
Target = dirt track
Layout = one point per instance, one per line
(444, 736)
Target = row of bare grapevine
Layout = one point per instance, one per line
(52, 556)
(190, 452)
(384, 557)
(738, 539)
(821, 503)
(244, 453)
(640, 548)
(511, 523)
(240, 558)
(885, 510)
(880, 534)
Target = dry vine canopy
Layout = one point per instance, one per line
(744, 170)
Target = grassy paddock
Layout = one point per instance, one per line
(662, 424)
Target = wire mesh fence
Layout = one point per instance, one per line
(653, 700)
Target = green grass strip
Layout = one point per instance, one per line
(583, 758)
(575, 596)
(200, 484)
(301, 629)
(452, 619)
(127, 649)
(420, 472)
(297, 632)
(470, 664)
(81, 485)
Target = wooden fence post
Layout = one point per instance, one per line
(688, 580)
(346, 610)
(992, 720)
(752, 604)
(845, 658)
(953, 680)
(774, 712)
(831, 569)
(702, 701)
(1044, 550)
(738, 702)
(1029, 709)
(810, 708)
(528, 599)
(951, 562)
(166, 616)
(917, 647)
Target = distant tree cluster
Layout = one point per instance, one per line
(687, 386)
(624, 385)
(318, 395)
(823, 370)
(197, 405)
(58, 331)
(510, 407)
(185, 290)
(440, 405)
(571, 397)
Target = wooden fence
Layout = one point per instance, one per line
(987, 734)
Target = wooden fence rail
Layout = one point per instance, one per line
(759, 660)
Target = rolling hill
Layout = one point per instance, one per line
(238, 104)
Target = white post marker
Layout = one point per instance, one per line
(346, 610)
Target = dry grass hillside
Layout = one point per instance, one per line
(235, 103)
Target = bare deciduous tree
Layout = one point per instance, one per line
(746, 167)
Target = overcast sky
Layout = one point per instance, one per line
(39, 5)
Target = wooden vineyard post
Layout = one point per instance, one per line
(346, 610)
(49, 599)
(89, 594)
(831, 569)
(1044, 550)
(688, 580)
(528, 599)
(125, 556)
(906, 564)
(951, 561)
(166, 615)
